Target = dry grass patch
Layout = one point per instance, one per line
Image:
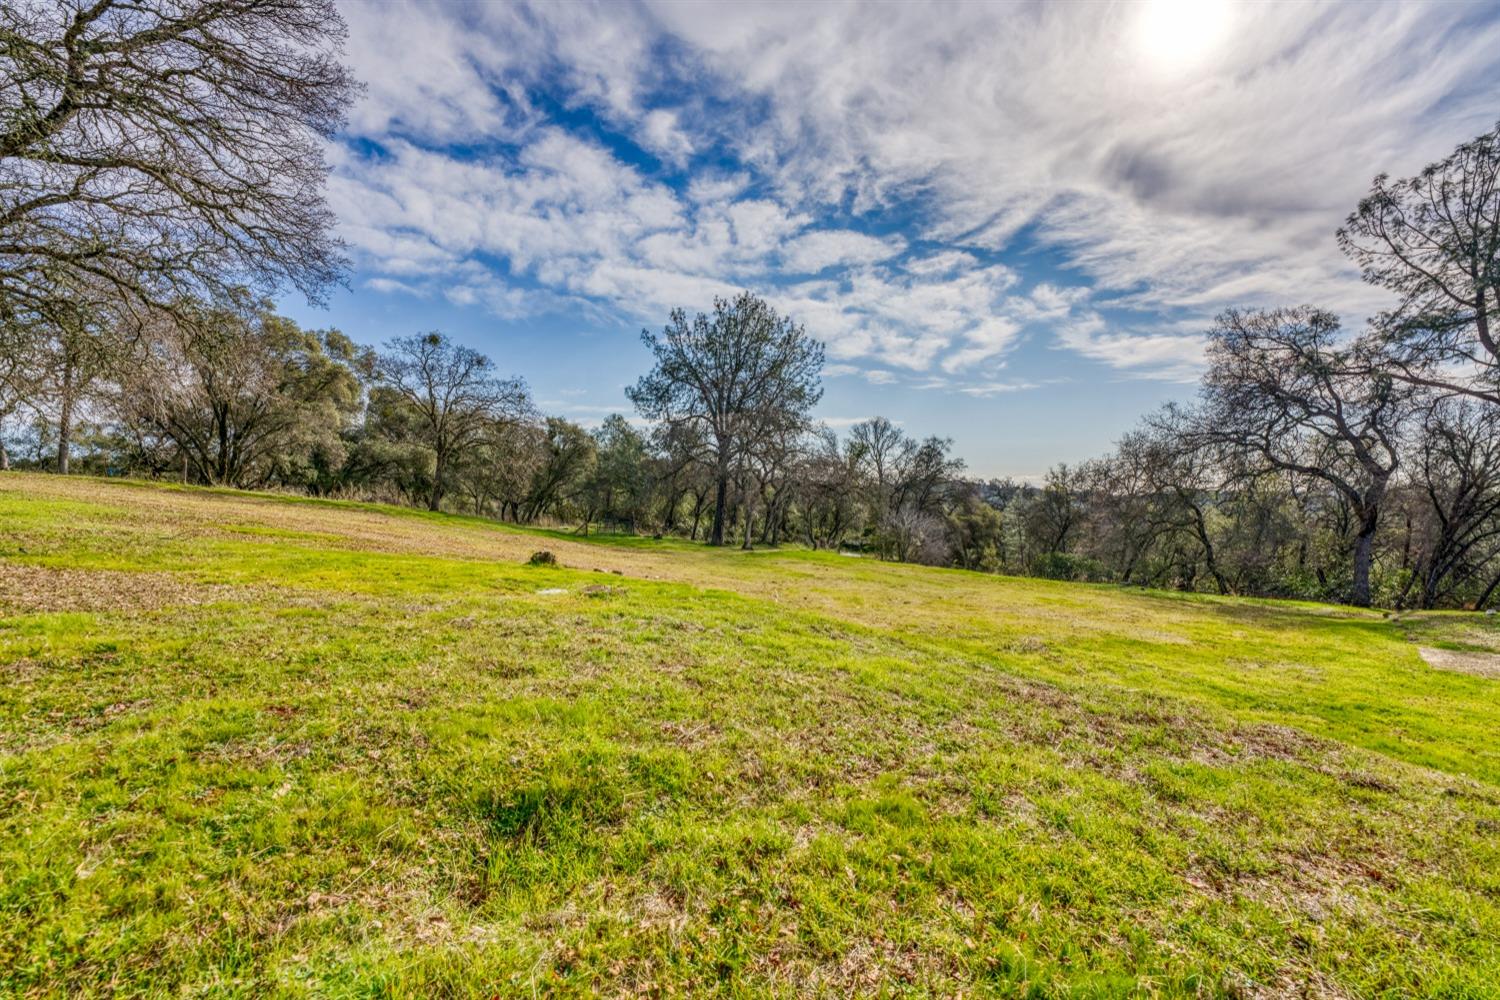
(1476, 664)
(27, 588)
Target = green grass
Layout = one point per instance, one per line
(260, 746)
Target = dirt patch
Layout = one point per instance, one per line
(1459, 662)
(29, 589)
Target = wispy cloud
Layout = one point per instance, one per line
(926, 189)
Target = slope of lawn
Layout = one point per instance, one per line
(261, 746)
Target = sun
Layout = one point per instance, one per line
(1179, 35)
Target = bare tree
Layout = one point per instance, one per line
(1189, 476)
(166, 147)
(1053, 514)
(830, 490)
(1284, 390)
(881, 448)
(1457, 472)
(1434, 240)
(924, 474)
(1128, 511)
(737, 375)
(770, 467)
(453, 396)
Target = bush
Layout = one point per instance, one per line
(1063, 566)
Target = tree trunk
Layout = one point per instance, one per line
(1430, 581)
(1364, 550)
(65, 419)
(4, 458)
(721, 496)
(1484, 598)
(670, 514)
(1200, 526)
(435, 499)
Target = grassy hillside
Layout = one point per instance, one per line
(256, 746)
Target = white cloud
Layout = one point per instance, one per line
(983, 341)
(1172, 185)
(816, 251)
(1173, 356)
(1172, 182)
(661, 134)
(388, 285)
(946, 262)
(997, 388)
(844, 423)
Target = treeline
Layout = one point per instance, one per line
(161, 177)
(1225, 497)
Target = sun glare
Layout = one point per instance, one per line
(1178, 35)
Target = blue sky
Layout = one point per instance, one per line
(1009, 223)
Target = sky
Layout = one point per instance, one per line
(1009, 223)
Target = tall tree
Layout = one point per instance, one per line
(168, 147)
(1434, 240)
(453, 395)
(1052, 515)
(882, 449)
(738, 375)
(1285, 390)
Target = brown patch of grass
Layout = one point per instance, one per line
(1475, 664)
(30, 589)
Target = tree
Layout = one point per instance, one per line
(678, 457)
(1457, 474)
(906, 483)
(21, 367)
(453, 397)
(242, 394)
(923, 475)
(1283, 390)
(736, 376)
(882, 448)
(83, 337)
(567, 461)
(1186, 476)
(1052, 515)
(976, 532)
(167, 148)
(502, 464)
(1128, 512)
(830, 491)
(1434, 240)
(619, 487)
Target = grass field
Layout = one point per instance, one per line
(257, 746)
